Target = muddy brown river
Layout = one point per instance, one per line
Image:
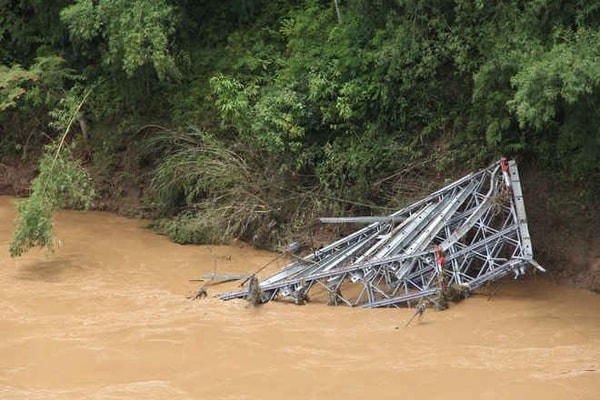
(106, 317)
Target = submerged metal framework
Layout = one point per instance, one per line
(466, 234)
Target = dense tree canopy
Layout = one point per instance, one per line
(300, 98)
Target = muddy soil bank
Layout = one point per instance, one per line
(564, 229)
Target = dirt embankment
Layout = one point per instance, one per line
(563, 227)
(118, 192)
(15, 178)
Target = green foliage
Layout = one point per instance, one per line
(34, 227)
(294, 98)
(67, 107)
(136, 33)
(556, 90)
(40, 84)
(233, 101)
(267, 121)
(61, 183)
(191, 228)
(12, 81)
(335, 100)
(215, 189)
(565, 74)
(196, 165)
(29, 29)
(26, 97)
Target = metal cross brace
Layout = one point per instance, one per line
(464, 235)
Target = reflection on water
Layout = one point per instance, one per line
(50, 270)
(106, 317)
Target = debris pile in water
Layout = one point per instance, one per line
(443, 247)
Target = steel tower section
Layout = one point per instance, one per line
(457, 239)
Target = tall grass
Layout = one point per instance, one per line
(208, 193)
(210, 190)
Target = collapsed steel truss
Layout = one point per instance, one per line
(466, 234)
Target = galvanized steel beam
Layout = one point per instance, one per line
(464, 235)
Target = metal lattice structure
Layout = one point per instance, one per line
(466, 234)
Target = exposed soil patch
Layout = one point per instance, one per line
(15, 178)
(564, 231)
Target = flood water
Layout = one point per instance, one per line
(106, 317)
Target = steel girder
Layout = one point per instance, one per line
(464, 235)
